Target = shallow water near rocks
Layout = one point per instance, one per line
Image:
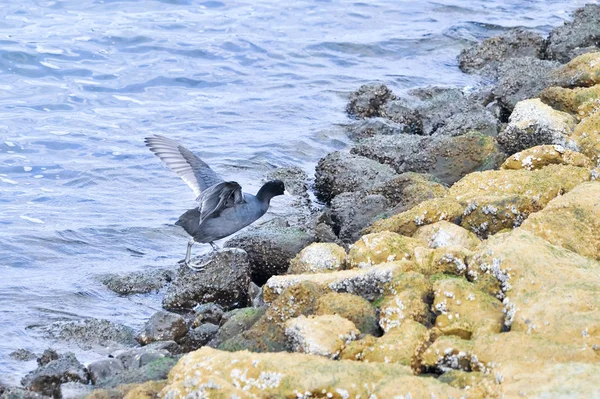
(247, 85)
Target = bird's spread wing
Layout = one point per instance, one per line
(194, 171)
(216, 198)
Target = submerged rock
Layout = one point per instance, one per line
(163, 326)
(368, 100)
(141, 282)
(46, 379)
(565, 42)
(270, 248)
(486, 56)
(340, 172)
(534, 123)
(223, 280)
(23, 355)
(88, 333)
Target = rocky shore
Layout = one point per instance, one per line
(455, 253)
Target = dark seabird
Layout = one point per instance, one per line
(223, 208)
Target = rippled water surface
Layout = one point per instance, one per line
(248, 85)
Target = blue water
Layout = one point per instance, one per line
(248, 85)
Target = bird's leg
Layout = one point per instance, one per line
(188, 253)
(214, 246)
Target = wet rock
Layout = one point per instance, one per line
(223, 280)
(533, 123)
(237, 321)
(324, 335)
(351, 307)
(368, 100)
(46, 357)
(199, 336)
(270, 248)
(446, 158)
(104, 369)
(90, 332)
(521, 79)
(286, 374)
(372, 249)
(374, 126)
(400, 345)
(23, 355)
(581, 208)
(582, 31)
(139, 357)
(401, 112)
(485, 57)
(351, 212)
(340, 172)
(582, 71)
(163, 326)
(294, 178)
(409, 189)
(586, 137)
(153, 371)
(46, 379)
(318, 257)
(444, 234)
(544, 155)
(581, 102)
(465, 311)
(141, 282)
(20, 393)
(208, 313)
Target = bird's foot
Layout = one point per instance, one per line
(197, 267)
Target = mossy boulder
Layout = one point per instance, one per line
(318, 257)
(406, 300)
(581, 71)
(587, 137)
(445, 234)
(452, 260)
(376, 248)
(352, 307)
(323, 335)
(543, 155)
(580, 101)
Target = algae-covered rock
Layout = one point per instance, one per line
(487, 55)
(452, 260)
(465, 311)
(446, 158)
(210, 373)
(318, 257)
(571, 221)
(352, 307)
(237, 321)
(580, 101)
(146, 390)
(582, 71)
(323, 335)
(587, 137)
(535, 123)
(376, 248)
(405, 299)
(340, 172)
(544, 155)
(410, 189)
(400, 345)
(444, 234)
(427, 212)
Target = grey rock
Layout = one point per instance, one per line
(75, 390)
(155, 370)
(139, 357)
(448, 159)
(583, 32)
(368, 100)
(88, 333)
(410, 189)
(351, 212)
(324, 232)
(236, 322)
(141, 282)
(255, 295)
(374, 126)
(270, 248)
(340, 172)
(104, 369)
(46, 357)
(163, 326)
(294, 178)
(208, 313)
(485, 57)
(46, 379)
(400, 112)
(20, 393)
(223, 280)
(23, 355)
(199, 336)
(522, 78)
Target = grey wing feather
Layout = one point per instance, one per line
(194, 171)
(219, 197)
